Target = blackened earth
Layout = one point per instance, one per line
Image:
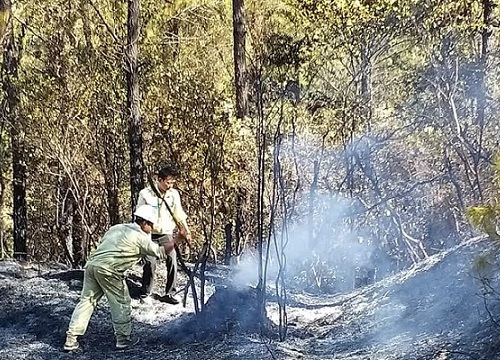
(436, 310)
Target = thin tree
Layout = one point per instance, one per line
(241, 89)
(11, 57)
(261, 185)
(239, 35)
(481, 94)
(4, 20)
(5, 6)
(133, 104)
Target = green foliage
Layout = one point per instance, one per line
(485, 217)
(379, 97)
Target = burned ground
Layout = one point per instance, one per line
(433, 311)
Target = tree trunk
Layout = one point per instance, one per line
(65, 220)
(229, 242)
(112, 180)
(312, 204)
(239, 33)
(79, 236)
(3, 163)
(366, 84)
(4, 20)
(238, 222)
(133, 105)
(481, 95)
(485, 35)
(70, 224)
(5, 6)
(3, 250)
(261, 186)
(17, 135)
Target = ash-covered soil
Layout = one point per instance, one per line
(433, 311)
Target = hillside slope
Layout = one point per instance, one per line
(435, 310)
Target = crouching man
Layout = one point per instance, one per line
(121, 247)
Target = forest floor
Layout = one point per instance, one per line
(435, 310)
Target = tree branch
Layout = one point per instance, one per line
(108, 27)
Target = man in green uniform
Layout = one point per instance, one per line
(121, 247)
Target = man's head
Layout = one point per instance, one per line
(146, 216)
(167, 176)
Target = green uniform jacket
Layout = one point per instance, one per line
(122, 247)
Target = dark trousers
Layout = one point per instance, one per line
(149, 268)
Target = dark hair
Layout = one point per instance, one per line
(138, 220)
(168, 170)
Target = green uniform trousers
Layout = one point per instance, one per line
(97, 282)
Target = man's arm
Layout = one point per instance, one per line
(184, 230)
(180, 218)
(151, 248)
(140, 199)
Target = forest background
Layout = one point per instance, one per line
(346, 137)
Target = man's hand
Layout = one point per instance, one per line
(178, 237)
(183, 235)
(184, 232)
(169, 245)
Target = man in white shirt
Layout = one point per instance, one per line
(171, 215)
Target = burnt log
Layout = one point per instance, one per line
(229, 311)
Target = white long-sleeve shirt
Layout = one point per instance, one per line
(165, 223)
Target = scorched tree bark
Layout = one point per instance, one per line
(17, 125)
(133, 104)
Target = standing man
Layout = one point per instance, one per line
(121, 247)
(167, 201)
